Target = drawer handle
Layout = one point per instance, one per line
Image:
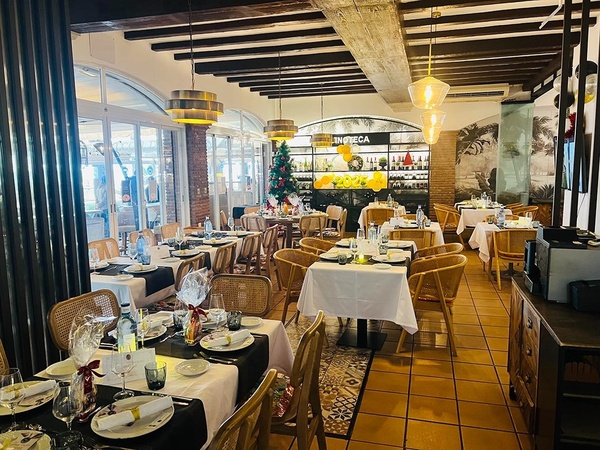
(529, 323)
(527, 379)
(528, 351)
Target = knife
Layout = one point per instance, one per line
(217, 359)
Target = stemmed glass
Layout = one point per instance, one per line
(354, 249)
(143, 323)
(179, 237)
(121, 365)
(132, 251)
(217, 308)
(66, 405)
(360, 234)
(94, 259)
(231, 223)
(11, 392)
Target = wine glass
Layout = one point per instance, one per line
(217, 308)
(66, 406)
(143, 323)
(179, 237)
(354, 249)
(132, 251)
(11, 392)
(121, 364)
(231, 223)
(360, 234)
(94, 259)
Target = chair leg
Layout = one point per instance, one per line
(498, 274)
(400, 345)
(447, 312)
(285, 308)
(340, 321)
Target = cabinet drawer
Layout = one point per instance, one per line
(529, 377)
(526, 404)
(531, 327)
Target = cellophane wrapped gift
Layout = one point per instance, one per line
(194, 288)
(84, 339)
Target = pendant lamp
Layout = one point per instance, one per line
(320, 140)
(428, 92)
(432, 121)
(280, 129)
(189, 105)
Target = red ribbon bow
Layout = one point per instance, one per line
(88, 374)
(196, 311)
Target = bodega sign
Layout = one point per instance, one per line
(361, 139)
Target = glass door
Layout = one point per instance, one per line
(152, 177)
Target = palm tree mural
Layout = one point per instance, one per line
(472, 139)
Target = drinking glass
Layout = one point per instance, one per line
(66, 406)
(121, 364)
(360, 234)
(217, 308)
(354, 249)
(132, 251)
(231, 223)
(179, 237)
(180, 312)
(11, 392)
(94, 259)
(143, 323)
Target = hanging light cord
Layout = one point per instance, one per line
(279, 82)
(321, 107)
(434, 15)
(191, 41)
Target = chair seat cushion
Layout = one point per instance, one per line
(282, 395)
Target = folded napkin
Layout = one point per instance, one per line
(230, 338)
(36, 388)
(131, 415)
(139, 267)
(155, 323)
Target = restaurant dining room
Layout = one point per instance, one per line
(299, 224)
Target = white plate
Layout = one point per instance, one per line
(249, 321)
(29, 403)
(100, 265)
(139, 427)
(153, 333)
(409, 225)
(400, 244)
(133, 269)
(226, 348)
(113, 260)
(165, 316)
(192, 367)
(61, 369)
(392, 258)
(171, 259)
(381, 266)
(204, 247)
(343, 243)
(44, 442)
(329, 256)
(186, 253)
(123, 277)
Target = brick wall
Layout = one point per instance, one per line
(197, 168)
(442, 171)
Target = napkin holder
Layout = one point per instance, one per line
(140, 359)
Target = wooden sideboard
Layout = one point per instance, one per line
(554, 367)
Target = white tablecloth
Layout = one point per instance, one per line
(438, 236)
(470, 217)
(363, 214)
(359, 292)
(483, 239)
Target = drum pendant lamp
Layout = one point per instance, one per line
(280, 129)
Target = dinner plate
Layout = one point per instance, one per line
(391, 258)
(61, 369)
(226, 348)
(204, 247)
(101, 265)
(343, 243)
(170, 259)
(408, 225)
(139, 427)
(249, 321)
(123, 277)
(192, 367)
(29, 403)
(186, 253)
(153, 333)
(20, 439)
(165, 316)
(133, 268)
(400, 244)
(329, 256)
(237, 233)
(382, 266)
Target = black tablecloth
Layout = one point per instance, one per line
(185, 430)
(155, 281)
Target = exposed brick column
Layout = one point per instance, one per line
(197, 167)
(442, 170)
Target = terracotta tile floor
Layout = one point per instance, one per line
(423, 398)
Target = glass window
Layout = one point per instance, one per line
(123, 92)
(87, 83)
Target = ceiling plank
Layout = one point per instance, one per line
(301, 74)
(318, 93)
(274, 88)
(422, 5)
(285, 70)
(481, 62)
(305, 80)
(479, 70)
(551, 68)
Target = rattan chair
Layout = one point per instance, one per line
(146, 232)
(334, 212)
(250, 294)
(511, 206)
(107, 248)
(4, 364)
(169, 230)
(303, 417)
(267, 263)
(422, 237)
(448, 218)
(312, 225)
(223, 221)
(378, 215)
(315, 245)
(102, 303)
(253, 222)
(291, 266)
(433, 285)
(520, 211)
(188, 265)
(339, 231)
(249, 427)
(251, 209)
(249, 257)
(224, 258)
(437, 250)
(509, 246)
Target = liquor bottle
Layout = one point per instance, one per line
(372, 233)
(393, 163)
(419, 163)
(371, 163)
(126, 330)
(208, 229)
(501, 218)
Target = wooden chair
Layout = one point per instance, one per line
(102, 303)
(224, 258)
(315, 245)
(107, 248)
(146, 232)
(340, 231)
(4, 364)
(249, 427)
(378, 215)
(433, 285)
(169, 230)
(448, 218)
(437, 250)
(188, 265)
(512, 206)
(291, 266)
(334, 213)
(251, 209)
(509, 246)
(303, 417)
(223, 221)
(310, 225)
(267, 263)
(525, 209)
(250, 294)
(422, 237)
(249, 255)
(253, 222)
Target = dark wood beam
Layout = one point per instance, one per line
(422, 5)
(333, 45)
(255, 23)
(315, 33)
(486, 79)
(274, 75)
(274, 88)
(475, 70)
(551, 68)
(291, 70)
(316, 93)
(304, 80)
(481, 62)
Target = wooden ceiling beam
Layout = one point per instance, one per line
(423, 5)
(274, 75)
(318, 93)
(480, 70)
(304, 80)
(274, 88)
(481, 62)
(486, 79)
(300, 89)
(551, 68)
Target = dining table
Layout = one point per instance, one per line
(392, 224)
(365, 291)
(482, 238)
(288, 221)
(362, 217)
(470, 216)
(202, 401)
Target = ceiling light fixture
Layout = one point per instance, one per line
(432, 121)
(321, 140)
(280, 129)
(189, 105)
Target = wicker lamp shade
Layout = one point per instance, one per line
(320, 140)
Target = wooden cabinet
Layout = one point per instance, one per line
(554, 368)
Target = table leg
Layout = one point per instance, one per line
(362, 338)
(288, 235)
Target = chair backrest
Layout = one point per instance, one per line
(511, 206)
(436, 278)
(4, 364)
(224, 258)
(251, 209)
(341, 224)
(436, 250)
(250, 294)
(292, 264)
(378, 215)
(312, 224)
(253, 222)
(250, 425)
(422, 237)
(188, 265)
(107, 248)
(520, 211)
(223, 220)
(270, 240)
(334, 212)
(315, 245)
(447, 216)
(169, 230)
(411, 217)
(510, 243)
(250, 250)
(101, 303)
(146, 232)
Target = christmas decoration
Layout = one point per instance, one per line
(281, 179)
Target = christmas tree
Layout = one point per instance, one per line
(281, 179)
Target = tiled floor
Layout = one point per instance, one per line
(424, 398)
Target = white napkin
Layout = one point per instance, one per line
(397, 221)
(36, 388)
(125, 417)
(159, 251)
(231, 338)
(139, 267)
(155, 323)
